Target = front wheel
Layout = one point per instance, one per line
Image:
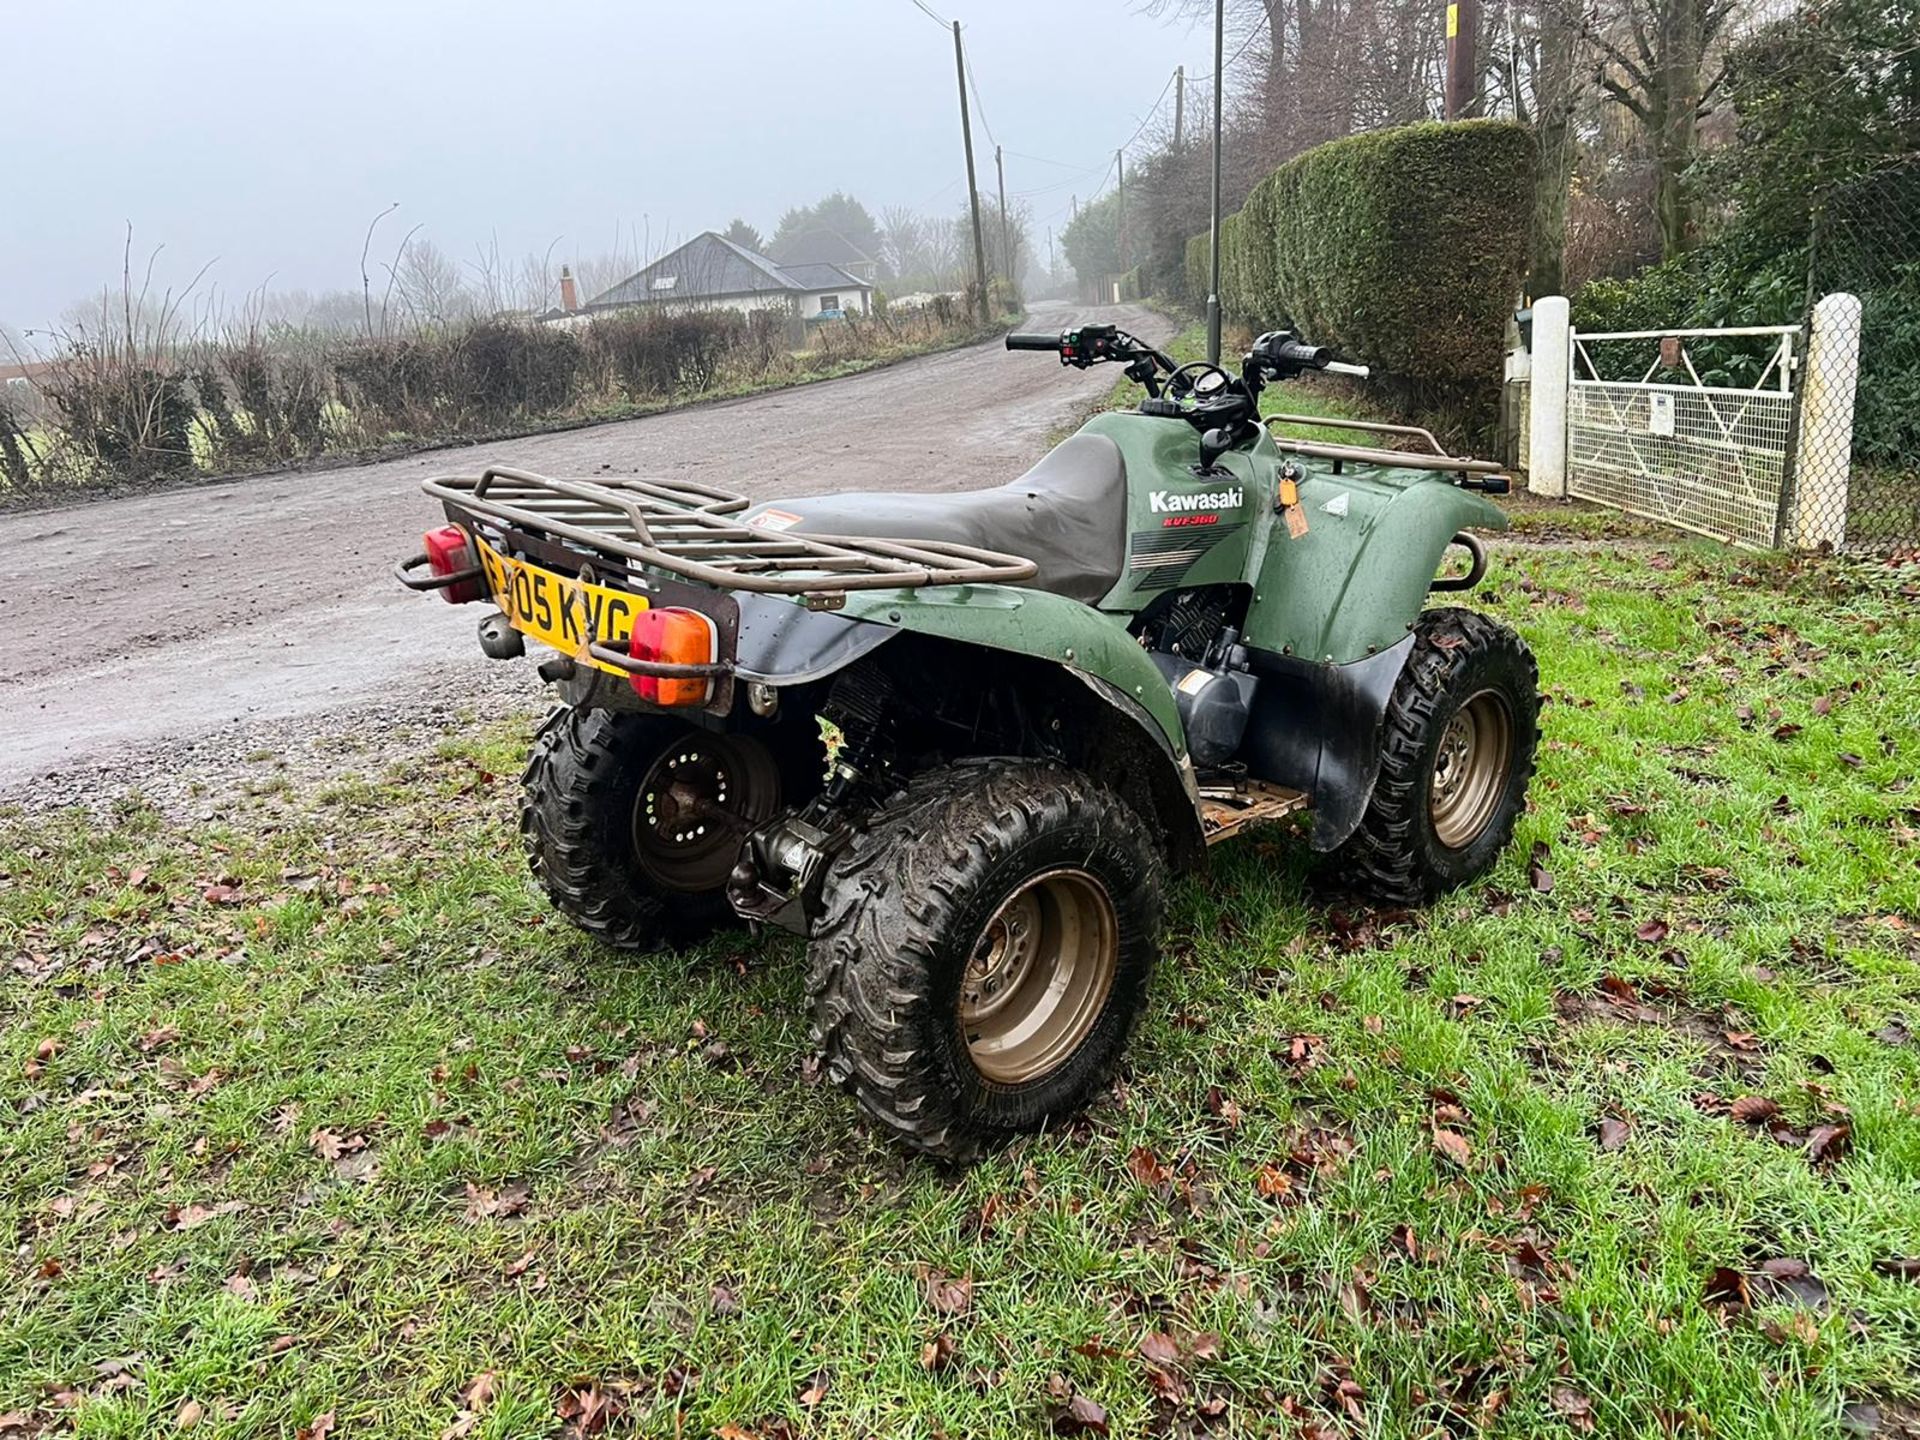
(1457, 751)
(984, 951)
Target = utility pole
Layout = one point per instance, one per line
(1463, 32)
(1006, 249)
(1179, 105)
(1120, 184)
(973, 187)
(1213, 224)
(1049, 254)
(1075, 199)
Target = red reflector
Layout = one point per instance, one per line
(673, 636)
(448, 553)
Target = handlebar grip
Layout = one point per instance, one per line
(1316, 357)
(1019, 341)
(1341, 367)
(1162, 409)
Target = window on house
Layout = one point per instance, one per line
(829, 302)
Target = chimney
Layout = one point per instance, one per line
(569, 296)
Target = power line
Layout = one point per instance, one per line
(1148, 120)
(928, 11)
(978, 104)
(1042, 160)
(1252, 35)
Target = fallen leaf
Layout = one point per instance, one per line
(187, 1217)
(815, 1391)
(1147, 1169)
(1753, 1109)
(1789, 1280)
(1828, 1142)
(330, 1145)
(1727, 1287)
(1453, 1145)
(722, 1301)
(1613, 1132)
(1653, 931)
(949, 1296)
(189, 1415)
(508, 1201)
(1080, 1416)
(317, 1428)
(1272, 1182)
(1159, 1348)
(937, 1354)
(1900, 1267)
(1577, 1409)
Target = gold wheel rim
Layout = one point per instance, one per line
(1039, 976)
(1470, 769)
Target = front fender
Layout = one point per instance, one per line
(1354, 583)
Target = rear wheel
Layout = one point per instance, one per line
(984, 951)
(1457, 752)
(632, 821)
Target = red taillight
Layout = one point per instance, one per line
(672, 636)
(448, 553)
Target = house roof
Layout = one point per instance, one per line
(821, 277)
(712, 267)
(822, 247)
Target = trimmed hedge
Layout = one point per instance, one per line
(1405, 249)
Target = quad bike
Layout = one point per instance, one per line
(960, 742)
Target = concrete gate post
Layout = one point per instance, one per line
(1552, 368)
(1823, 459)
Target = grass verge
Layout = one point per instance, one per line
(328, 1124)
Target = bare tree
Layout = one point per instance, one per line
(428, 285)
(1662, 61)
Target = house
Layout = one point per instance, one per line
(710, 270)
(829, 247)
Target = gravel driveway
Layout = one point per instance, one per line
(179, 642)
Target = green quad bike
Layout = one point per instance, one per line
(960, 742)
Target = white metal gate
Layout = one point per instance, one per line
(1714, 459)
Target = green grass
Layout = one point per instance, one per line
(329, 1115)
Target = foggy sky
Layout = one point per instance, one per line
(264, 134)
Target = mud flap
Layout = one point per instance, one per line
(1317, 728)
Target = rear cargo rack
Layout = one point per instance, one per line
(695, 531)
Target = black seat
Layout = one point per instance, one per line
(1068, 515)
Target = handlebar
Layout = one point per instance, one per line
(1018, 341)
(1341, 367)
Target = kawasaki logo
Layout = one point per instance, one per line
(1166, 502)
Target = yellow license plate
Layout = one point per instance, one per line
(558, 611)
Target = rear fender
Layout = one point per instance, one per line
(1116, 718)
(1032, 622)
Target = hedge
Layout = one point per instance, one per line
(1404, 249)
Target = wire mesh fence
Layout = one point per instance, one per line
(1866, 244)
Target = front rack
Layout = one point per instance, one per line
(1434, 457)
(694, 531)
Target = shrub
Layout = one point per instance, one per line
(502, 371)
(1404, 249)
(126, 418)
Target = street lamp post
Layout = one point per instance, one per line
(1213, 225)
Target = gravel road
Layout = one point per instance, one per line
(178, 643)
